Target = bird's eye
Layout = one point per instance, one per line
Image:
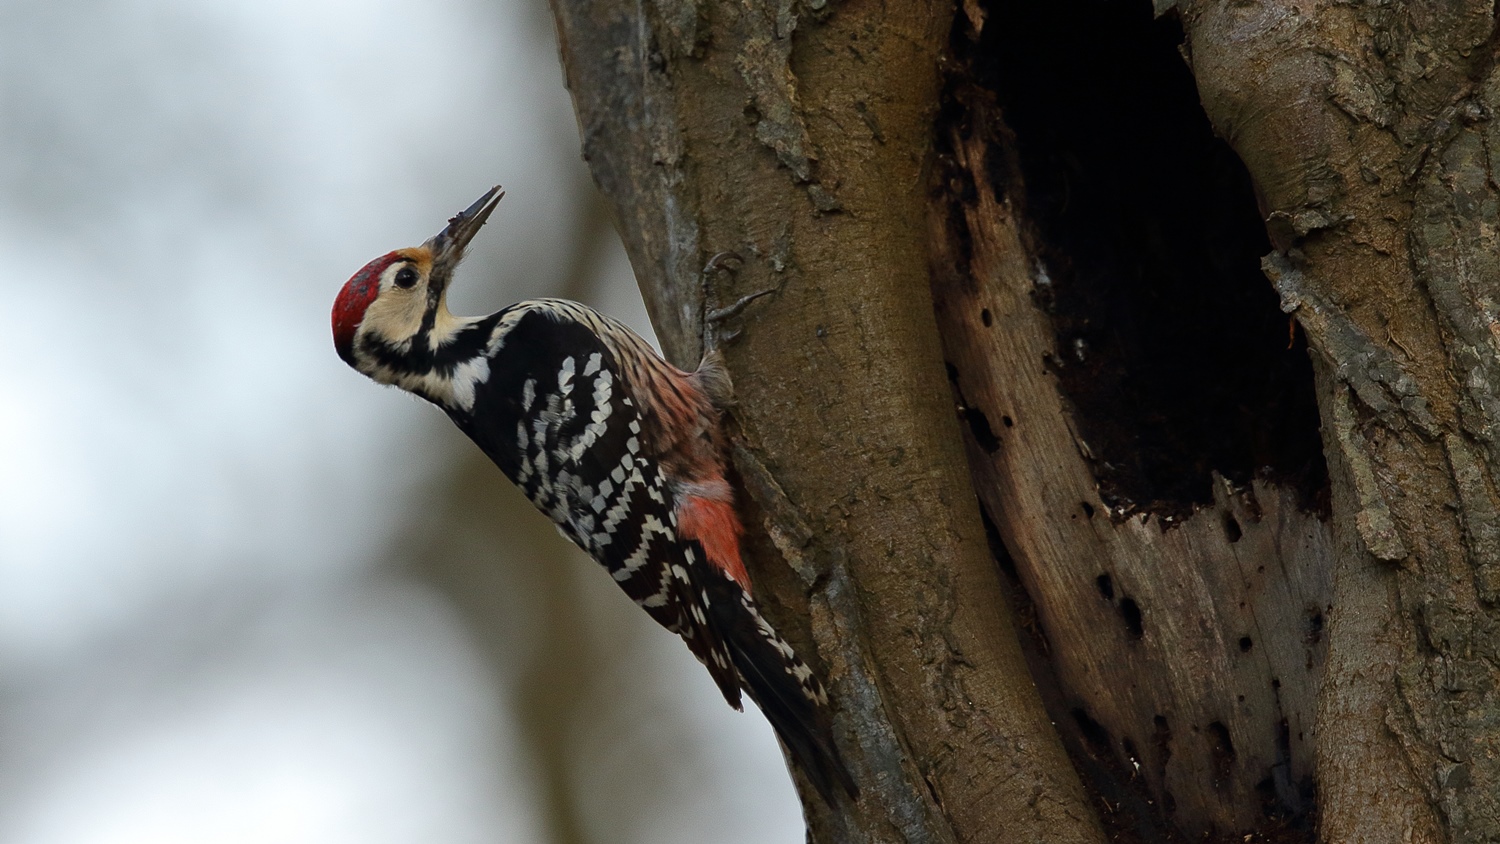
(406, 278)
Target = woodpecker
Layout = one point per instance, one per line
(622, 450)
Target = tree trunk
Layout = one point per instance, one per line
(1154, 603)
(1371, 138)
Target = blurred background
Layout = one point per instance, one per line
(246, 595)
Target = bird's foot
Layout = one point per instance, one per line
(714, 318)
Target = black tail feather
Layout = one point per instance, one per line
(794, 703)
(803, 726)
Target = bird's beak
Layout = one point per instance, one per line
(448, 245)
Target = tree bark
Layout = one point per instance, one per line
(799, 139)
(1210, 549)
(1371, 137)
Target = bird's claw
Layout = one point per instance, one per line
(719, 262)
(718, 315)
(714, 317)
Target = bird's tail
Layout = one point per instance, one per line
(787, 692)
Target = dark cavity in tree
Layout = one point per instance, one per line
(1223, 754)
(1171, 346)
(1131, 611)
(1161, 739)
(1093, 733)
(979, 424)
(1232, 530)
(1314, 627)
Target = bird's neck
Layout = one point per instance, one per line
(442, 362)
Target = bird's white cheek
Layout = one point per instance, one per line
(394, 319)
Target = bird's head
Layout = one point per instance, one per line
(402, 295)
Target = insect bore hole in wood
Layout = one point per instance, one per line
(1131, 611)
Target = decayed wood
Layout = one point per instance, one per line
(1195, 646)
(1370, 132)
(798, 139)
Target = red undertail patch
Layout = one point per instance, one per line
(717, 528)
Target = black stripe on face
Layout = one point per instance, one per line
(429, 316)
(469, 343)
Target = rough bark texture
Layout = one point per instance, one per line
(1217, 293)
(1370, 134)
(799, 138)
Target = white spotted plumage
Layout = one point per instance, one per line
(623, 451)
